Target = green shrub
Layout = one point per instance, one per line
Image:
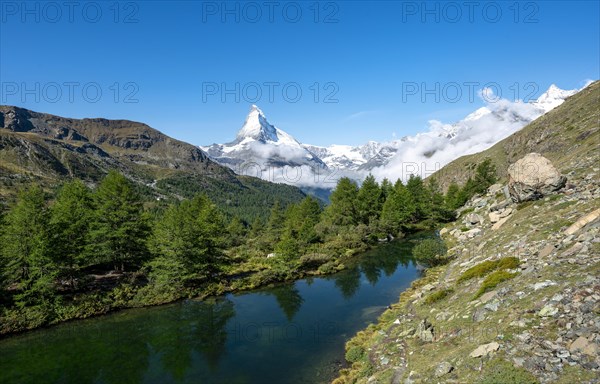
(508, 263)
(488, 266)
(430, 252)
(354, 354)
(437, 296)
(502, 372)
(490, 282)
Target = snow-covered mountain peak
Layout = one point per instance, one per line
(257, 127)
(553, 97)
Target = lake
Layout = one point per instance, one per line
(289, 333)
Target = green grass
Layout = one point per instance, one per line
(503, 372)
(486, 267)
(437, 296)
(492, 281)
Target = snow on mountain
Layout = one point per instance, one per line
(263, 150)
(426, 152)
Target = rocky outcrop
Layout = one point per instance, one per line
(533, 177)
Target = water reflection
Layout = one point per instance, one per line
(289, 300)
(284, 334)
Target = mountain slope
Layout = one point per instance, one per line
(47, 149)
(519, 300)
(567, 132)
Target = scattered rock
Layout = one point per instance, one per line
(583, 221)
(533, 177)
(578, 345)
(506, 212)
(488, 296)
(472, 232)
(474, 218)
(543, 284)
(485, 349)
(443, 369)
(548, 311)
(493, 306)
(546, 251)
(425, 331)
(478, 315)
(499, 223)
(494, 217)
(494, 188)
(443, 231)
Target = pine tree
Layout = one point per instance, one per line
(190, 239)
(70, 219)
(369, 200)
(421, 197)
(25, 248)
(485, 175)
(343, 208)
(386, 188)
(438, 210)
(274, 227)
(451, 198)
(398, 209)
(236, 232)
(120, 227)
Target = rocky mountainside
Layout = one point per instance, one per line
(519, 300)
(43, 148)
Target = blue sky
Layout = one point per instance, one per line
(171, 64)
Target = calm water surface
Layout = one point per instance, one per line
(291, 333)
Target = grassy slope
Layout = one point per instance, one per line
(389, 352)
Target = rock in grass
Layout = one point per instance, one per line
(485, 350)
(443, 369)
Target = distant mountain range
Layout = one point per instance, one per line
(263, 150)
(46, 149)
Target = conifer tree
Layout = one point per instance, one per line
(120, 226)
(369, 200)
(70, 219)
(343, 208)
(25, 251)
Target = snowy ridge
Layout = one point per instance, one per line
(277, 156)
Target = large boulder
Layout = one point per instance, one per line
(533, 177)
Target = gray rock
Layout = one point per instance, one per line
(474, 218)
(425, 331)
(533, 177)
(494, 217)
(493, 306)
(472, 232)
(478, 315)
(485, 350)
(443, 369)
(548, 311)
